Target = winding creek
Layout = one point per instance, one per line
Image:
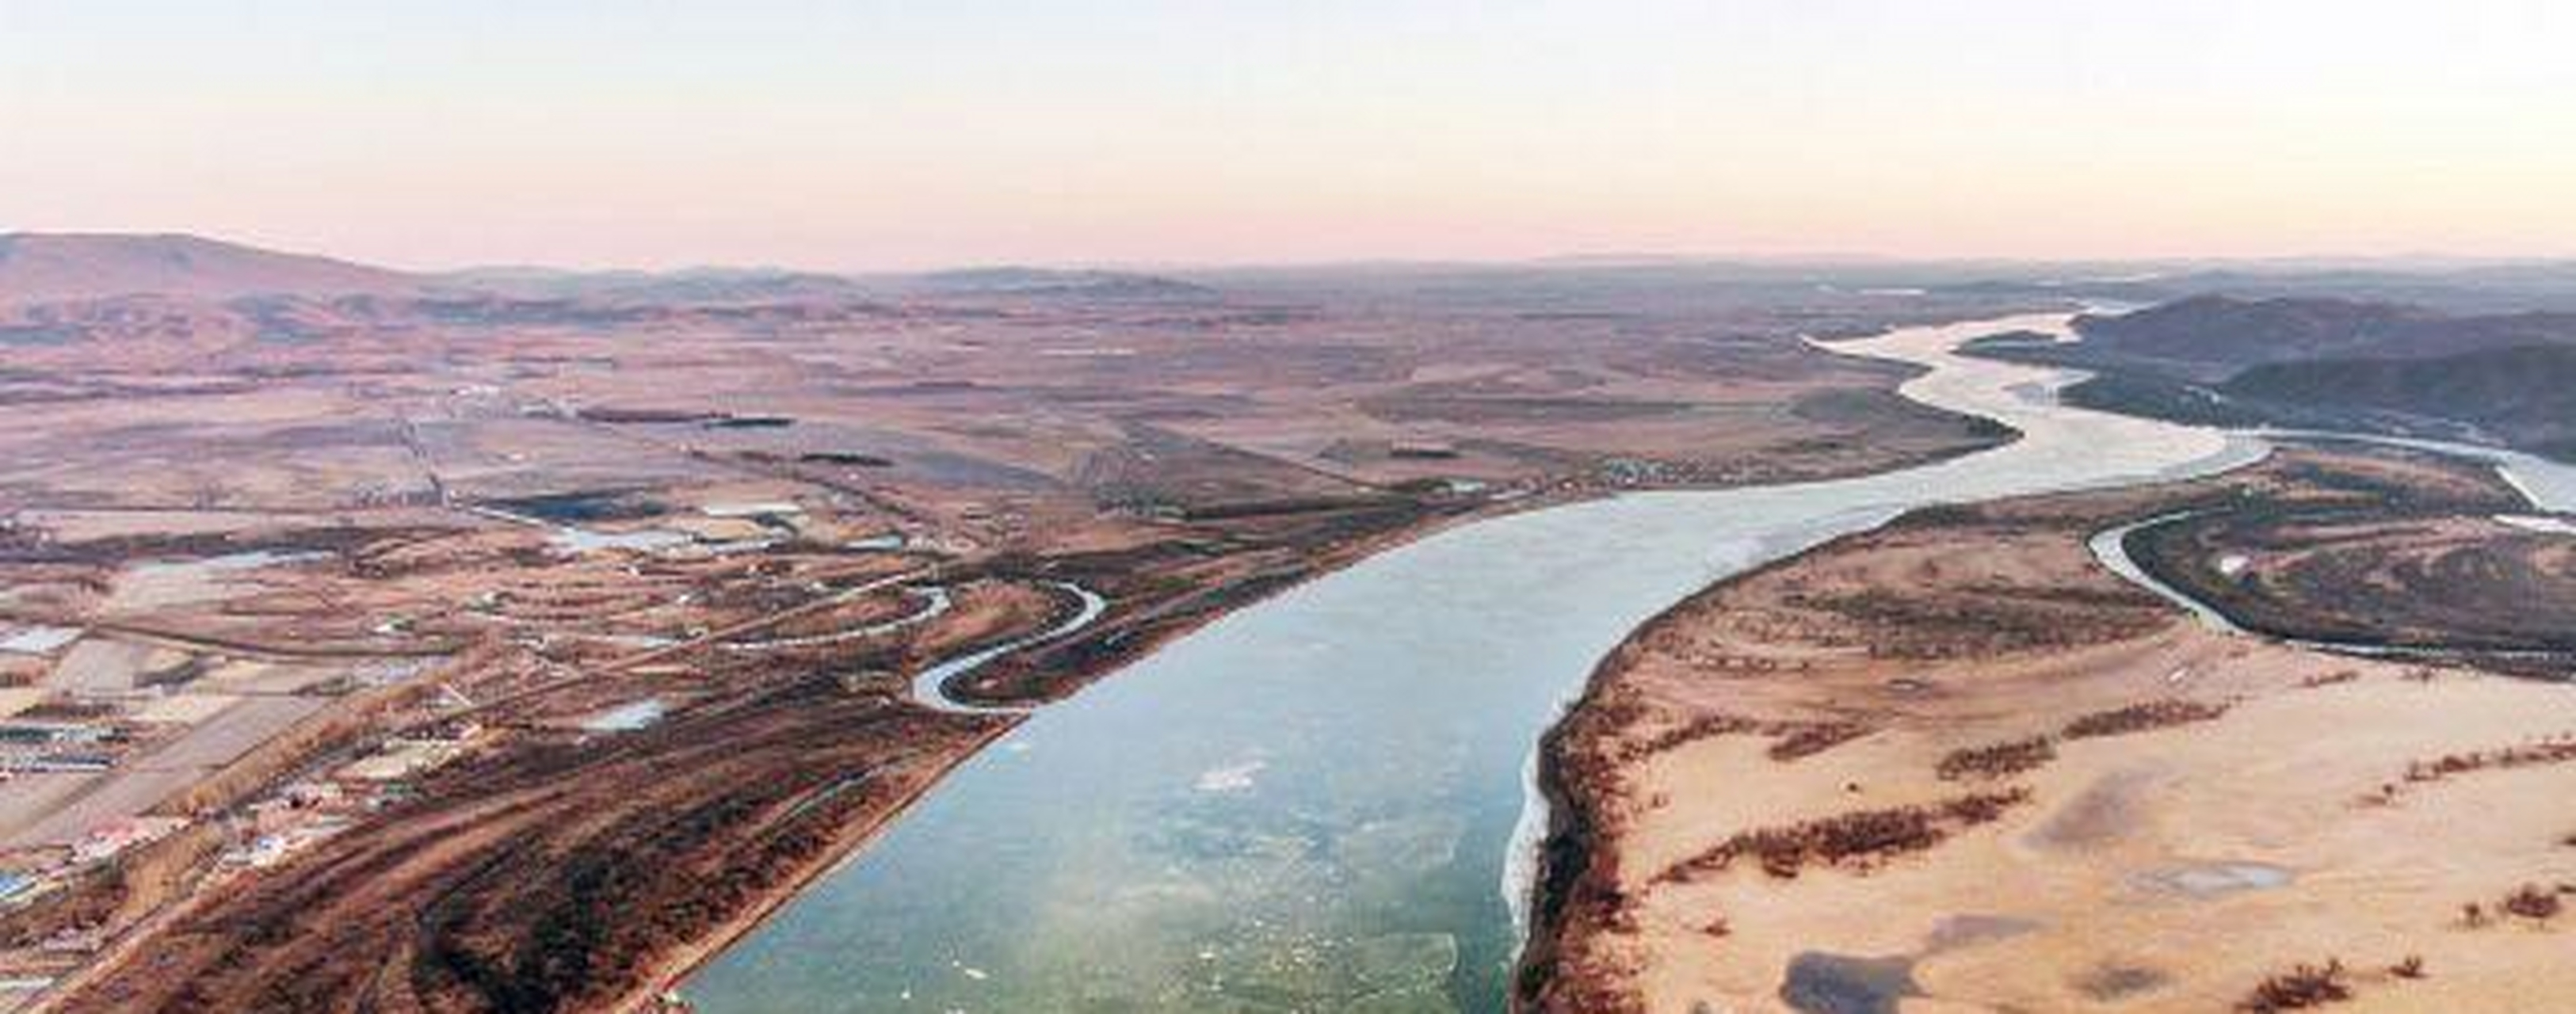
(930, 686)
(2111, 549)
(1322, 802)
(2547, 485)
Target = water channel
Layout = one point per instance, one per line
(1322, 802)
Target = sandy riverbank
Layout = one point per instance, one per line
(1875, 777)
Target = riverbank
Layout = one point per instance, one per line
(1801, 788)
(554, 866)
(1323, 809)
(1130, 630)
(656, 991)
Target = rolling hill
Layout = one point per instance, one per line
(2211, 337)
(1055, 283)
(2525, 395)
(55, 267)
(2327, 364)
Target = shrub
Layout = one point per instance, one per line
(2299, 988)
(2142, 717)
(1997, 760)
(2531, 901)
(1856, 839)
(1814, 738)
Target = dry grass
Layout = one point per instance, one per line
(1809, 739)
(1859, 839)
(1997, 760)
(1697, 729)
(2532, 901)
(2558, 749)
(1792, 739)
(2142, 717)
(2300, 988)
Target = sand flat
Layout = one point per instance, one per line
(2275, 783)
(2169, 868)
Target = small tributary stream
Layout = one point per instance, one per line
(2546, 485)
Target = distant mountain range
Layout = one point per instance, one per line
(2329, 363)
(687, 285)
(1044, 282)
(67, 267)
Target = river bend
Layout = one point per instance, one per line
(1321, 802)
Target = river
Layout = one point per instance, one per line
(1321, 802)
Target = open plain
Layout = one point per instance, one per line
(456, 646)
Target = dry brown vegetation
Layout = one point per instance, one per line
(1998, 760)
(2129, 740)
(1856, 840)
(1807, 739)
(1984, 621)
(1691, 731)
(2142, 717)
(2302, 987)
(1790, 739)
(2532, 901)
(2557, 749)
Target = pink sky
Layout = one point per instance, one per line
(854, 136)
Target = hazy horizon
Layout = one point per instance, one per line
(1822, 259)
(879, 138)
